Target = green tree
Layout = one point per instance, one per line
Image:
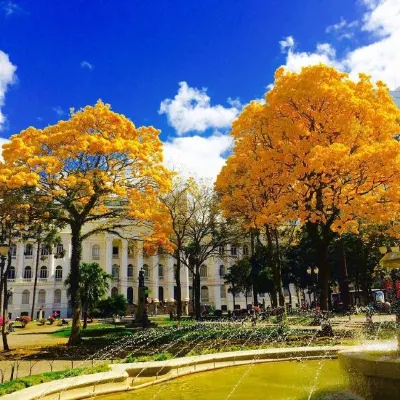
(111, 306)
(239, 278)
(93, 286)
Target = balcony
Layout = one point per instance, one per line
(28, 256)
(10, 279)
(42, 279)
(26, 279)
(58, 279)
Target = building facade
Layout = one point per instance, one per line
(122, 259)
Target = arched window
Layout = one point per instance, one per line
(245, 250)
(28, 251)
(204, 294)
(11, 274)
(160, 271)
(129, 273)
(223, 292)
(13, 250)
(25, 297)
(203, 271)
(42, 296)
(114, 292)
(59, 273)
(115, 271)
(129, 295)
(43, 273)
(233, 250)
(160, 293)
(221, 271)
(57, 296)
(27, 274)
(146, 271)
(96, 252)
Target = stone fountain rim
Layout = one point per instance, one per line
(116, 380)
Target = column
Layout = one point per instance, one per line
(185, 289)
(170, 280)
(123, 270)
(51, 267)
(20, 261)
(138, 267)
(216, 285)
(108, 255)
(154, 277)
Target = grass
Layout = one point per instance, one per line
(22, 383)
(96, 331)
(154, 357)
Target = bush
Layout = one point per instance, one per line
(42, 321)
(25, 319)
(113, 306)
(51, 320)
(155, 357)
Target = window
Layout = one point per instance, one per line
(28, 251)
(44, 251)
(131, 250)
(10, 299)
(221, 250)
(59, 273)
(115, 252)
(114, 292)
(203, 271)
(42, 296)
(57, 296)
(223, 292)
(146, 271)
(13, 251)
(129, 295)
(233, 250)
(160, 271)
(204, 294)
(27, 274)
(59, 249)
(115, 271)
(221, 271)
(96, 252)
(43, 273)
(160, 293)
(11, 274)
(245, 250)
(130, 272)
(25, 296)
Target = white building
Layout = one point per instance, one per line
(122, 259)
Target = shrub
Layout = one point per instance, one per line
(42, 321)
(25, 319)
(51, 320)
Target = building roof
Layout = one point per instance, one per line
(390, 260)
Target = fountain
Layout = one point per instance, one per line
(374, 372)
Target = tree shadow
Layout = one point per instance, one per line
(331, 394)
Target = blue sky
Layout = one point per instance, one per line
(134, 54)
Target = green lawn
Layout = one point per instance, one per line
(95, 331)
(22, 383)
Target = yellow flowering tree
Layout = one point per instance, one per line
(102, 172)
(321, 152)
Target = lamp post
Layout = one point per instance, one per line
(310, 272)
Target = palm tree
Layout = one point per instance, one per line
(93, 284)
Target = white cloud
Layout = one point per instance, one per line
(380, 58)
(7, 77)
(10, 8)
(190, 110)
(198, 156)
(287, 43)
(2, 141)
(87, 65)
(59, 111)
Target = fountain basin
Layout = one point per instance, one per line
(373, 375)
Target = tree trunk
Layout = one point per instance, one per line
(197, 299)
(273, 297)
(178, 287)
(344, 278)
(290, 296)
(85, 318)
(323, 275)
(278, 270)
(76, 255)
(253, 267)
(193, 292)
(36, 279)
